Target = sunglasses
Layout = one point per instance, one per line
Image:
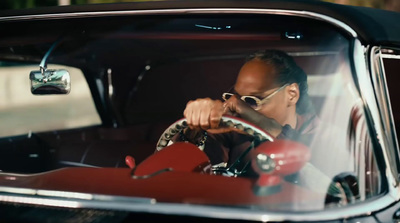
(253, 101)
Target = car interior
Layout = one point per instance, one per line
(142, 71)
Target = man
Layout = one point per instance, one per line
(270, 92)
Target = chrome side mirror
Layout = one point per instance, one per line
(50, 82)
(46, 81)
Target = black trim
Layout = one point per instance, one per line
(374, 26)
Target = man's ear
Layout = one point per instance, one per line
(293, 93)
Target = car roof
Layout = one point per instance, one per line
(373, 26)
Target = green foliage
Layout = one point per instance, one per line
(365, 3)
(20, 4)
(23, 4)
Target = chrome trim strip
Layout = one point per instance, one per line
(150, 206)
(78, 196)
(312, 53)
(70, 163)
(186, 11)
(389, 56)
(368, 95)
(387, 127)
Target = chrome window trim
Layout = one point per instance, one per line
(369, 95)
(361, 209)
(186, 11)
(388, 56)
(149, 205)
(384, 108)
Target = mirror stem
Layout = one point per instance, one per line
(43, 63)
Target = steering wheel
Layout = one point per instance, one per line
(226, 121)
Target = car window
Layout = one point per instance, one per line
(29, 113)
(146, 69)
(391, 66)
(342, 150)
(384, 64)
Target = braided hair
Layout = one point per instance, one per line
(288, 72)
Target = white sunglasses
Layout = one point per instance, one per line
(253, 101)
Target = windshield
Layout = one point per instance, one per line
(144, 71)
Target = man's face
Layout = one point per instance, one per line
(256, 78)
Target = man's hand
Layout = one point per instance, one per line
(206, 114)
